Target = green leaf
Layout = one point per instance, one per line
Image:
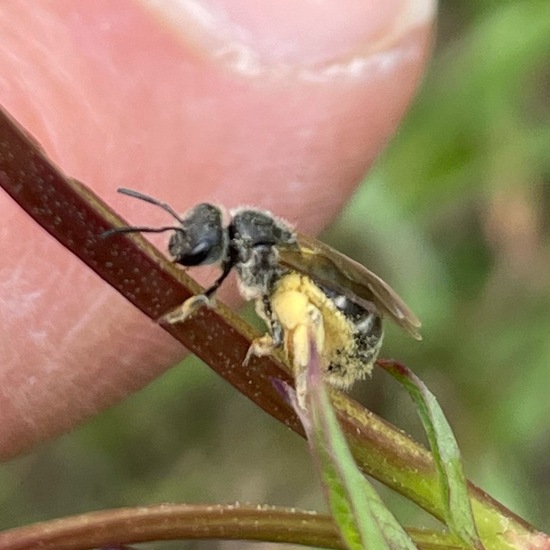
(454, 488)
(360, 515)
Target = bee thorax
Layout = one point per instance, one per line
(257, 270)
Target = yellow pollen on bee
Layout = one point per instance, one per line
(302, 308)
(291, 308)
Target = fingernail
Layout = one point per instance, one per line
(290, 32)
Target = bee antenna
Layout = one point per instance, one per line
(156, 202)
(110, 232)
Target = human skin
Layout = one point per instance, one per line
(283, 106)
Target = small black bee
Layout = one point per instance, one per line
(302, 288)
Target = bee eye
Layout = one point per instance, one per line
(188, 255)
(197, 256)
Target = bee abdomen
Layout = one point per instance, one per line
(356, 360)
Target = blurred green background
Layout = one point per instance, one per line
(459, 221)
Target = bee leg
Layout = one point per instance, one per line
(260, 347)
(275, 328)
(312, 331)
(193, 304)
(266, 344)
(188, 308)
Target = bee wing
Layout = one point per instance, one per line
(334, 270)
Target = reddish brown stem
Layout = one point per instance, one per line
(76, 217)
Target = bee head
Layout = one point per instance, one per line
(200, 237)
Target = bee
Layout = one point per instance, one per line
(302, 288)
